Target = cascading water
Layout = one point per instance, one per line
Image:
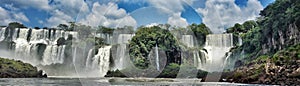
(38, 36)
(192, 51)
(39, 47)
(2, 34)
(89, 58)
(107, 37)
(217, 45)
(188, 40)
(102, 58)
(99, 63)
(124, 38)
(53, 54)
(121, 57)
(157, 58)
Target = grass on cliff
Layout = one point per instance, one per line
(11, 68)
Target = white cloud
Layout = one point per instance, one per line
(11, 7)
(64, 11)
(177, 20)
(108, 15)
(174, 9)
(20, 16)
(11, 16)
(72, 8)
(151, 25)
(170, 6)
(38, 4)
(221, 14)
(58, 17)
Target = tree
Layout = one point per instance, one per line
(37, 28)
(63, 26)
(45, 27)
(249, 25)
(72, 26)
(84, 31)
(200, 31)
(16, 25)
(105, 30)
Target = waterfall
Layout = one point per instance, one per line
(124, 38)
(121, 58)
(107, 37)
(89, 58)
(197, 59)
(38, 36)
(22, 47)
(45, 48)
(103, 58)
(2, 34)
(188, 40)
(217, 45)
(192, 53)
(15, 34)
(157, 57)
(240, 41)
(53, 54)
(99, 63)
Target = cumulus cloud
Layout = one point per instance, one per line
(177, 20)
(108, 15)
(221, 14)
(11, 16)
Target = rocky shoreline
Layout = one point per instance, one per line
(283, 68)
(269, 73)
(17, 69)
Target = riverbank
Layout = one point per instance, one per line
(18, 69)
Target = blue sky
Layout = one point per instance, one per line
(118, 13)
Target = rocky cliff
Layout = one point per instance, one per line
(270, 53)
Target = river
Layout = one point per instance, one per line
(63, 81)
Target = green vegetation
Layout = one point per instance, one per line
(170, 71)
(146, 39)
(16, 25)
(275, 30)
(182, 71)
(200, 32)
(105, 30)
(271, 48)
(292, 52)
(244, 28)
(17, 69)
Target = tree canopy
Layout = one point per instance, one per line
(146, 39)
(278, 20)
(200, 31)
